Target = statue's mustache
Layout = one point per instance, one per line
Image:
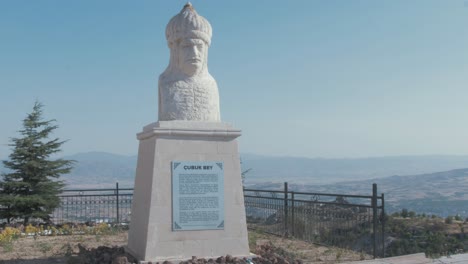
(194, 60)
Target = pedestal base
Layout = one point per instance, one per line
(151, 237)
(178, 260)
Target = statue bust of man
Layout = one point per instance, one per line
(187, 91)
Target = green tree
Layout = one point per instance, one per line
(30, 188)
(404, 213)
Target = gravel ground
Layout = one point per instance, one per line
(75, 249)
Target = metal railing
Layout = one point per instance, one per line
(94, 205)
(356, 222)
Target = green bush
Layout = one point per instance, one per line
(449, 219)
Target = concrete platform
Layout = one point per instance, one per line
(460, 258)
(419, 258)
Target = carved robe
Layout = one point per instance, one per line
(194, 99)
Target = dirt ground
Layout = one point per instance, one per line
(308, 252)
(58, 249)
(55, 249)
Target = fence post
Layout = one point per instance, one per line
(292, 213)
(286, 209)
(117, 203)
(374, 218)
(383, 226)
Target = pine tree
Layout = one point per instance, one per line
(30, 189)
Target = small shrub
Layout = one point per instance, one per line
(66, 230)
(67, 250)
(7, 246)
(101, 229)
(30, 230)
(253, 236)
(449, 219)
(362, 256)
(404, 213)
(8, 235)
(339, 254)
(81, 229)
(54, 231)
(44, 247)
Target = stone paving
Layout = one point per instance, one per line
(419, 258)
(460, 258)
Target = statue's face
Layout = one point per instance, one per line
(192, 54)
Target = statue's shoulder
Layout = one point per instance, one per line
(166, 80)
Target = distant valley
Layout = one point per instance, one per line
(437, 184)
(441, 193)
(101, 170)
(325, 171)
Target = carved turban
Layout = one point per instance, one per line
(188, 24)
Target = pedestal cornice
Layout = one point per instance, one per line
(189, 129)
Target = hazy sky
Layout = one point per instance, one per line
(303, 78)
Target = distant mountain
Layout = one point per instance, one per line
(98, 169)
(438, 184)
(323, 171)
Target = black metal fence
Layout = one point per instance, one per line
(94, 205)
(355, 222)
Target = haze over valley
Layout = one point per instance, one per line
(426, 184)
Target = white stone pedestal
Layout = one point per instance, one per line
(151, 237)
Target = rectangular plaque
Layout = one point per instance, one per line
(197, 195)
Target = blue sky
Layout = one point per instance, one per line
(300, 78)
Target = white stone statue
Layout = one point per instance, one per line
(187, 91)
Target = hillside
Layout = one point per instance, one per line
(441, 193)
(431, 235)
(444, 192)
(324, 171)
(104, 169)
(99, 169)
